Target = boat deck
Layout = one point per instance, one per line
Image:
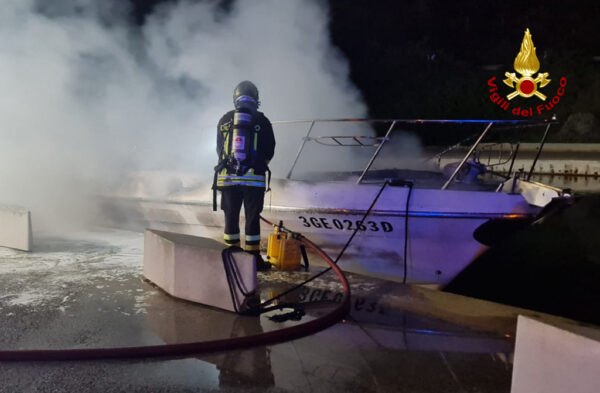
(87, 291)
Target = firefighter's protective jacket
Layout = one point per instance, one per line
(263, 146)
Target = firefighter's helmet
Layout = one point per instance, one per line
(245, 95)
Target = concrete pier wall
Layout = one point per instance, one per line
(192, 268)
(555, 358)
(15, 228)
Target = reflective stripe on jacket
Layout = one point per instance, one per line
(249, 179)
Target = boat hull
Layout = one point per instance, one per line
(440, 224)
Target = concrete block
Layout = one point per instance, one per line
(192, 268)
(563, 357)
(15, 228)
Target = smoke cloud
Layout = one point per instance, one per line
(88, 97)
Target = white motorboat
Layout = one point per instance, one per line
(438, 222)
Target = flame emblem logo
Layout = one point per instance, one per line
(527, 64)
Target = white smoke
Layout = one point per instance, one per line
(282, 46)
(88, 97)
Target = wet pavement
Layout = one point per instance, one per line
(87, 291)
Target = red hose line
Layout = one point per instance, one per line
(176, 350)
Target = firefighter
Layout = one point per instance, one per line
(245, 145)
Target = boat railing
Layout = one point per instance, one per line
(495, 154)
(343, 140)
(379, 142)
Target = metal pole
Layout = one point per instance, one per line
(289, 175)
(467, 156)
(539, 151)
(512, 163)
(385, 138)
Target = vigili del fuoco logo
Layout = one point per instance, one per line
(528, 85)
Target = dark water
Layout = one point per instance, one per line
(552, 266)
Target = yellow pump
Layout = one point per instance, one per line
(283, 251)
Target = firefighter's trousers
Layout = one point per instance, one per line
(232, 198)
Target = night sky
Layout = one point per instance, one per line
(436, 50)
(432, 58)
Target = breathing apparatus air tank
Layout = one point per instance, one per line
(240, 146)
(245, 100)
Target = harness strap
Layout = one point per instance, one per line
(268, 173)
(220, 166)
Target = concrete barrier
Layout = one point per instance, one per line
(192, 268)
(15, 228)
(555, 358)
